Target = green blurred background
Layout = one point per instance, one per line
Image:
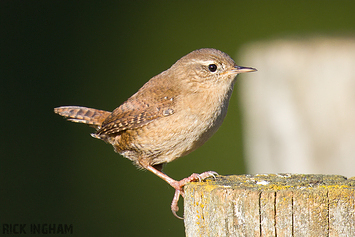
(95, 54)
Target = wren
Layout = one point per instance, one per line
(173, 114)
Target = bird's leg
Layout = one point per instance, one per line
(178, 185)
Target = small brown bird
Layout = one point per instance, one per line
(173, 114)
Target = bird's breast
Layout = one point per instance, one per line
(202, 114)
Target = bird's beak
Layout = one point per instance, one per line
(239, 69)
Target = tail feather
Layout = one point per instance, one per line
(85, 115)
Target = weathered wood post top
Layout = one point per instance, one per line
(271, 205)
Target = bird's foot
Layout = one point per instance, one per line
(178, 185)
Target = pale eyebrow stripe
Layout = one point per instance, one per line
(206, 62)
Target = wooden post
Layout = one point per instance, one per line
(271, 205)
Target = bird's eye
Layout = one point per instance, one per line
(212, 67)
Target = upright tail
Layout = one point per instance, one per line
(85, 115)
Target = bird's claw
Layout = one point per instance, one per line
(180, 191)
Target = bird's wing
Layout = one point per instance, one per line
(136, 113)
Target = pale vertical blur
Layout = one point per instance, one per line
(299, 108)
